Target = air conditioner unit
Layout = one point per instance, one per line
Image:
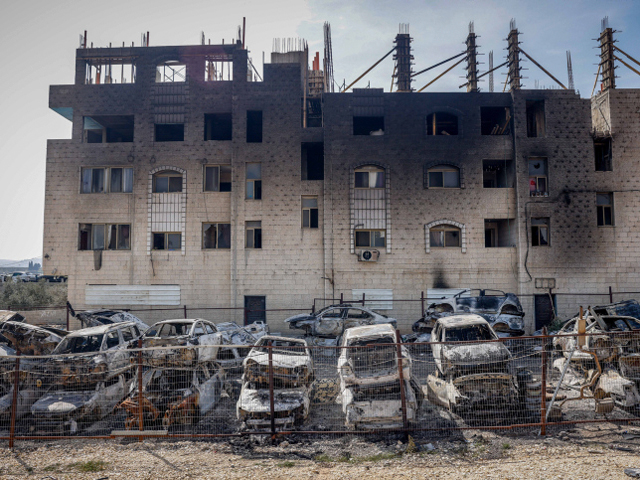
(368, 255)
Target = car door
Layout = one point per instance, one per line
(208, 388)
(117, 358)
(436, 349)
(330, 322)
(211, 340)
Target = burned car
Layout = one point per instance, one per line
(472, 375)
(231, 358)
(95, 318)
(370, 388)
(502, 311)
(332, 321)
(30, 339)
(174, 396)
(292, 381)
(198, 333)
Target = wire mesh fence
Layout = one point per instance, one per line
(370, 382)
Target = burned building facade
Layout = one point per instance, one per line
(189, 180)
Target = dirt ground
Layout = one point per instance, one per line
(592, 451)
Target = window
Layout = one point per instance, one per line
(309, 212)
(167, 181)
(499, 233)
(169, 132)
(442, 123)
(216, 235)
(110, 70)
(254, 234)
(602, 147)
(108, 129)
(538, 185)
(112, 339)
(444, 236)
(539, 232)
(370, 238)
(254, 126)
(217, 70)
(444, 176)
(107, 180)
(535, 118)
(171, 72)
(604, 205)
(369, 177)
(497, 173)
(254, 181)
(368, 125)
(104, 237)
(167, 241)
(217, 126)
(312, 161)
(495, 120)
(217, 178)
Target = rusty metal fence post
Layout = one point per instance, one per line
(14, 401)
(185, 311)
(271, 393)
(403, 397)
(543, 384)
(140, 407)
(422, 304)
(610, 294)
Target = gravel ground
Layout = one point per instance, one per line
(590, 452)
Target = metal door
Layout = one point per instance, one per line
(543, 310)
(254, 309)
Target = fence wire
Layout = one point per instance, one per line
(284, 387)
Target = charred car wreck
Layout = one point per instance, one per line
(292, 382)
(502, 311)
(370, 383)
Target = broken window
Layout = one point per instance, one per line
(169, 132)
(314, 112)
(167, 241)
(497, 173)
(444, 236)
(309, 212)
(442, 123)
(370, 238)
(217, 178)
(368, 125)
(108, 129)
(167, 181)
(110, 70)
(535, 118)
(312, 161)
(369, 177)
(104, 237)
(254, 126)
(538, 182)
(216, 235)
(604, 205)
(217, 70)
(254, 181)
(254, 234)
(171, 72)
(540, 232)
(499, 233)
(443, 176)
(107, 179)
(495, 120)
(602, 147)
(217, 126)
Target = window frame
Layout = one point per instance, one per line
(443, 169)
(106, 244)
(600, 217)
(309, 212)
(220, 169)
(256, 183)
(161, 75)
(382, 234)
(545, 223)
(167, 174)
(430, 127)
(372, 169)
(256, 234)
(107, 179)
(531, 116)
(166, 242)
(443, 228)
(217, 236)
(537, 177)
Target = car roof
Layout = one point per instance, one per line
(461, 320)
(102, 329)
(181, 320)
(370, 330)
(264, 338)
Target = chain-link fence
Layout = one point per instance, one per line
(369, 383)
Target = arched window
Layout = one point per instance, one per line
(444, 236)
(443, 176)
(167, 181)
(369, 177)
(442, 123)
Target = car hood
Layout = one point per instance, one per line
(61, 403)
(476, 353)
(257, 401)
(279, 360)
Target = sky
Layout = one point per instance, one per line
(38, 41)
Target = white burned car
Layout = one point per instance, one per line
(292, 379)
(198, 333)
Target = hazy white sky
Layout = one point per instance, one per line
(38, 41)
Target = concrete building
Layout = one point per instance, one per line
(190, 181)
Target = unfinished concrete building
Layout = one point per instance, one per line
(189, 180)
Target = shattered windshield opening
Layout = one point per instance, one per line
(90, 343)
(173, 329)
(471, 333)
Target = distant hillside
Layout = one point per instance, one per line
(18, 264)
